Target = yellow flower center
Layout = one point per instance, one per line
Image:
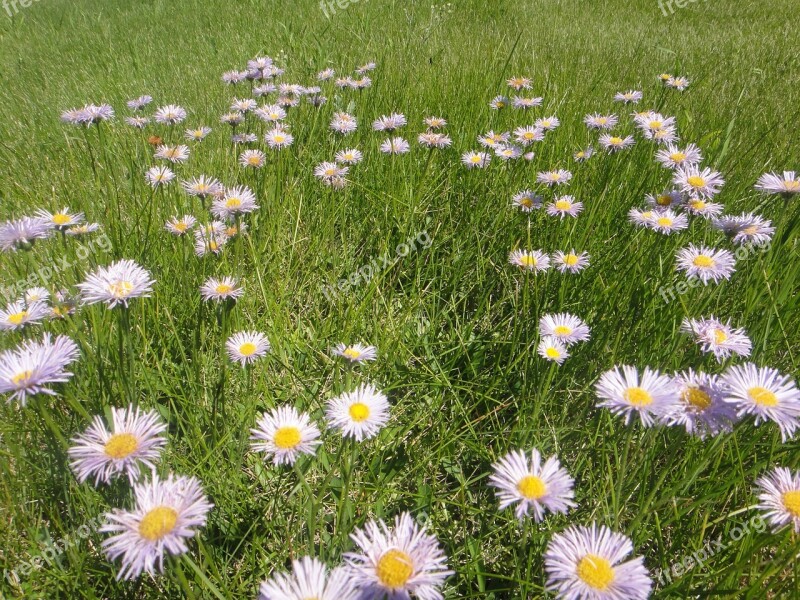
(580, 154)
(720, 336)
(698, 204)
(18, 318)
(677, 157)
(647, 214)
(475, 159)
(359, 412)
(279, 138)
(696, 181)
(552, 353)
(762, 396)
(697, 398)
(562, 330)
(254, 160)
(351, 353)
(656, 124)
(233, 203)
(247, 349)
(638, 396)
(197, 133)
(750, 230)
(120, 289)
(664, 200)
(181, 226)
(223, 288)
(531, 487)
(528, 135)
(287, 438)
(602, 120)
(703, 261)
(615, 141)
(791, 500)
(157, 523)
(791, 184)
(665, 76)
(545, 123)
(394, 569)
(330, 172)
(61, 219)
(595, 571)
(526, 202)
(121, 445)
(527, 260)
(21, 378)
(571, 260)
(563, 205)
(665, 221)
(231, 231)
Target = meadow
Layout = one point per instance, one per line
(410, 255)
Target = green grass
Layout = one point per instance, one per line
(456, 326)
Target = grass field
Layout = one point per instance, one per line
(456, 326)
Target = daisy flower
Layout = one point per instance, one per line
(667, 221)
(666, 199)
(663, 136)
(536, 260)
(158, 176)
(571, 261)
(93, 114)
(395, 145)
(508, 152)
(271, 113)
(597, 121)
(624, 392)
(642, 218)
(360, 414)
(350, 156)
(36, 294)
(170, 114)
(246, 347)
(253, 159)
(203, 186)
(583, 155)
(746, 228)
(631, 96)
(586, 563)
(232, 118)
(679, 83)
(389, 123)
(771, 183)
(701, 409)
(766, 394)
(198, 134)
(564, 205)
(263, 90)
(235, 201)
(226, 288)
(136, 437)
(498, 103)
(691, 180)
(527, 201)
(564, 327)
(278, 138)
(553, 349)
(62, 219)
(528, 135)
(779, 498)
(82, 229)
(117, 283)
(139, 103)
(166, 513)
(244, 138)
(174, 154)
(284, 434)
(523, 480)
(434, 140)
(244, 105)
(137, 122)
(703, 208)
(355, 353)
(343, 123)
(326, 74)
(547, 123)
(233, 77)
(673, 157)
(179, 226)
(434, 122)
(615, 143)
(309, 579)
(519, 83)
(209, 241)
(30, 367)
(722, 340)
(476, 160)
(329, 171)
(397, 563)
(365, 68)
(706, 264)
(521, 103)
(552, 178)
(492, 139)
(17, 315)
(653, 121)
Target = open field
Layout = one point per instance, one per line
(456, 326)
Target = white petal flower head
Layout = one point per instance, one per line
(170, 114)
(694, 181)
(31, 367)
(586, 563)
(571, 261)
(779, 498)
(673, 157)
(349, 156)
(20, 314)
(246, 347)
(22, 233)
(535, 261)
(718, 338)
(747, 228)
(62, 219)
(564, 206)
(527, 201)
(668, 221)
(359, 414)
(159, 176)
(180, 226)
(166, 514)
(631, 96)
(136, 438)
(533, 485)
(309, 579)
(702, 409)
(476, 160)
(552, 178)
(235, 201)
(397, 563)
(766, 394)
(787, 185)
(705, 264)
(226, 288)
(651, 395)
(565, 327)
(395, 145)
(553, 349)
(615, 143)
(284, 434)
(355, 353)
(117, 284)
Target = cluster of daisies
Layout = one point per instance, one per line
(22, 233)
